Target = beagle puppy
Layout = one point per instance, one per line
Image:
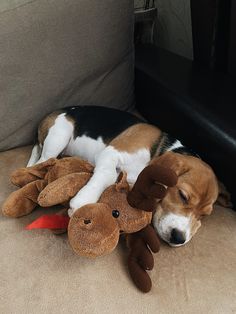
(116, 141)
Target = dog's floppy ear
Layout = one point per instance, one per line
(172, 161)
(224, 198)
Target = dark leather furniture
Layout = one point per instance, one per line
(192, 103)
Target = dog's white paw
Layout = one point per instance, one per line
(83, 197)
(70, 212)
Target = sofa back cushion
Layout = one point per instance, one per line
(58, 53)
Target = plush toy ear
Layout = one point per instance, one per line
(23, 176)
(122, 184)
(224, 197)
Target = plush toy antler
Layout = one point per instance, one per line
(150, 187)
(142, 244)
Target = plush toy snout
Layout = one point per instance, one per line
(93, 230)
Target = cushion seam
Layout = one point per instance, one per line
(17, 7)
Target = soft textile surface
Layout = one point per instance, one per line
(58, 53)
(39, 273)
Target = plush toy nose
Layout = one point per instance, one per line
(93, 230)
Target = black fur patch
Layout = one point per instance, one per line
(167, 141)
(95, 121)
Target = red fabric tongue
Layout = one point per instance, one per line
(49, 222)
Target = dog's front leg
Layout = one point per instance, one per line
(105, 174)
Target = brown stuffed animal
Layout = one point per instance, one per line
(95, 228)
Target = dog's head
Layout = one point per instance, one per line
(178, 216)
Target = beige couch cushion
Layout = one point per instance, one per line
(58, 53)
(39, 273)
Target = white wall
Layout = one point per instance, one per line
(173, 29)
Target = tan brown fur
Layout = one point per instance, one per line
(138, 136)
(47, 123)
(196, 178)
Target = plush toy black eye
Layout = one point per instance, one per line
(115, 213)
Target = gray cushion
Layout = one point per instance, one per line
(57, 53)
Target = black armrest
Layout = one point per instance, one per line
(192, 103)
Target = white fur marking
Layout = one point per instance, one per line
(165, 224)
(133, 163)
(85, 147)
(177, 144)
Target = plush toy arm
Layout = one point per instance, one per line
(140, 257)
(151, 185)
(63, 189)
(23, 176)
(24, 200)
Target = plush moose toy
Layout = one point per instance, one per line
(94, 229)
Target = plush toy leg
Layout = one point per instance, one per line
(62, 189)
(23, 201)
(140, 258)
(23, 176)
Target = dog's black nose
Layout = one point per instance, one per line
(177, 237)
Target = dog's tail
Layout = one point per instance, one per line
(35, 155)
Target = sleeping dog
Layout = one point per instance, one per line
(117, 141)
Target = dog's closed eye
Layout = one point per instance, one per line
(183, 196)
